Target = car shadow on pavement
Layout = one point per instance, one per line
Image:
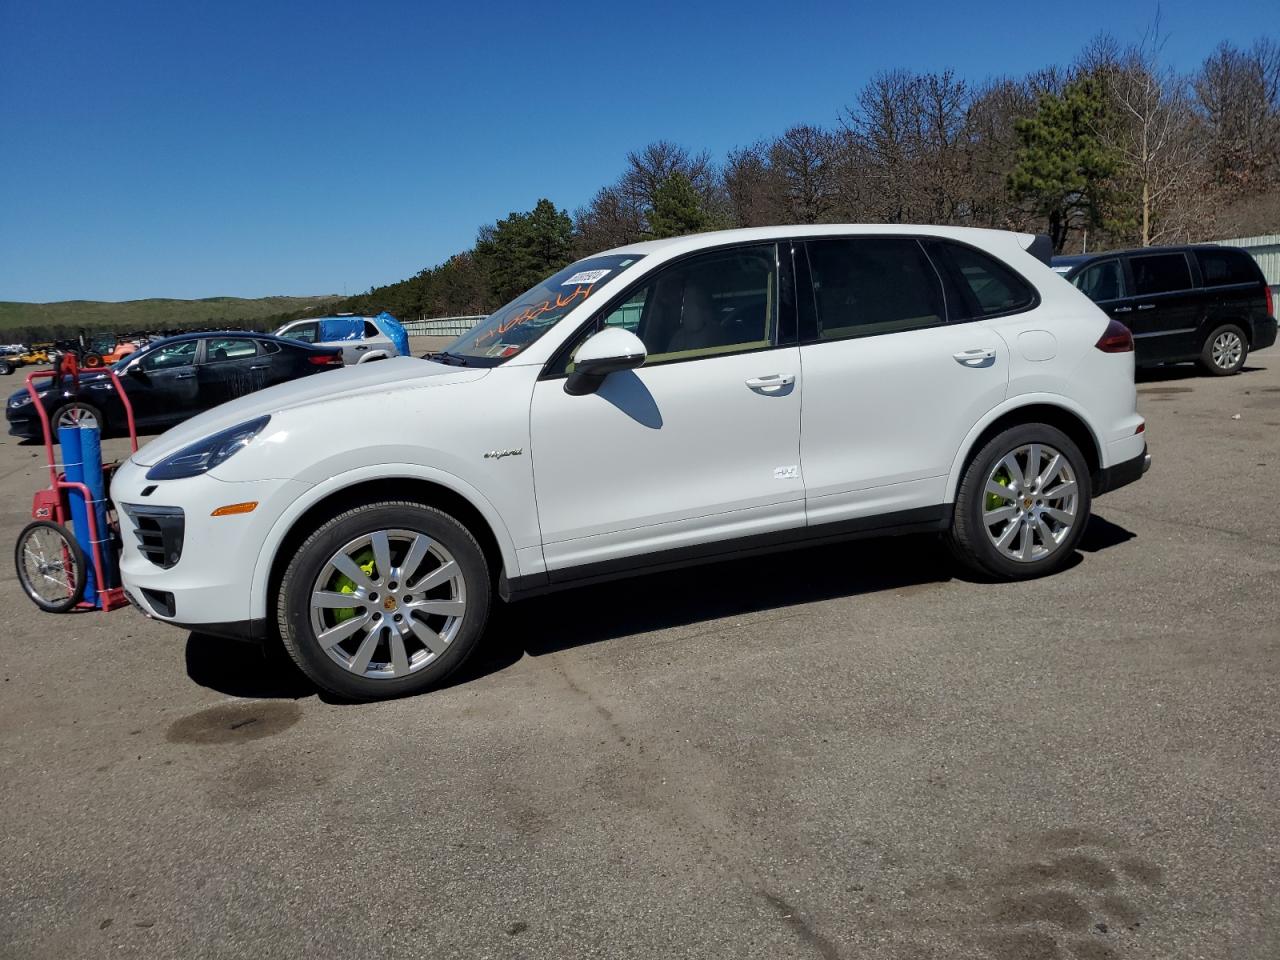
(1181, 371)
(642, 604)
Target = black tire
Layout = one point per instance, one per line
(1207, 361)
(40, 592)
(6, 368)
(293, 606)
(92, 361)
(968, 537)
(76, 410)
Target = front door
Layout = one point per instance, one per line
(699, 445)
(162, 385)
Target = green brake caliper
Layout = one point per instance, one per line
(344, 584)
(994, 500)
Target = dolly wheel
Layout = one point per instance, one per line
(51, 566)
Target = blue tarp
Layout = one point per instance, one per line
(337, 329)
(394, 331)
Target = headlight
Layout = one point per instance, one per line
(208, 453)
(17, 402)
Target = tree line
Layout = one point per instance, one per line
(1116, 149)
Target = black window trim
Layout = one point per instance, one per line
(552, 369)
(942, 272)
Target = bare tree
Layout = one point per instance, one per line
(1237, 92)
(1154, 134)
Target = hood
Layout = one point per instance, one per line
(45, 384)
(329, 386)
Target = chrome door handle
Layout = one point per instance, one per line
(1122, 309)
(362, 347)
(184, 376)
(977, 357)
(773, 382)
(260, 366)
(1146, 306)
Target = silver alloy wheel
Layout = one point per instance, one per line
(1227, 349)
(76, 416)
(1029, 504)
(388, 603)
(50, 570)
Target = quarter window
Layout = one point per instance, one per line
(987, 287)
(863, 287)
(1160, 273)
(1223, 267)
(1102, 281)
(370, 331)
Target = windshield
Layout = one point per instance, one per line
(507, 331)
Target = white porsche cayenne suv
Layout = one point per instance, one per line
(657, 405)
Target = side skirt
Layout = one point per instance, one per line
(920, 520)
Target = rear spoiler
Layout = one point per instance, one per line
(1038, 245)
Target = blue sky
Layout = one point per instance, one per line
(198, 149)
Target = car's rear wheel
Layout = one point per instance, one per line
(1224, 351)
(1022, 505)
(6, 368)
(384, 600)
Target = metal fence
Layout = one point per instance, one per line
(441, 326)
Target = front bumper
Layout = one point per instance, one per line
(208, 587)
(1122, 474)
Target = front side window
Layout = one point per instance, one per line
(863, 287)
(1101, 282)
(174, 355)
(512, 328)
(1223, 267)
(306, 332)
(1160, 273)
(220, 349)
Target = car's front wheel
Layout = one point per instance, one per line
(384, 600)
(1022, 504)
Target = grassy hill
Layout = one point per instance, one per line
(129, 315)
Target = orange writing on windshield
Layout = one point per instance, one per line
(546, 306)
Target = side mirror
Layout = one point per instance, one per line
(135, 370)
(610, 350)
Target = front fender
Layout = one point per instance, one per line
(381, 471)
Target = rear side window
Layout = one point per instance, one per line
(1222, 267)
(1102, 281)
(987, 287)
(1160, 273)
(370, 331)
(863, 287)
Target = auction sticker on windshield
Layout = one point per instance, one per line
(585, 276)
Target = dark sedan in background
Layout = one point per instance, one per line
(171, 380)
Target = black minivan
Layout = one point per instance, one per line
(1203, 302)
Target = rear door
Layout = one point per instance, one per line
(1167, 306)
(1235, 286)
(890, 387)
(231, 367)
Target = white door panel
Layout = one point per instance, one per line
(883, 414)
(668, 455)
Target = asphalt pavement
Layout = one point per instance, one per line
(839, 752)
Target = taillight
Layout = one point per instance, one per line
(326, 360)
(1271, 301)
(1115, 339)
